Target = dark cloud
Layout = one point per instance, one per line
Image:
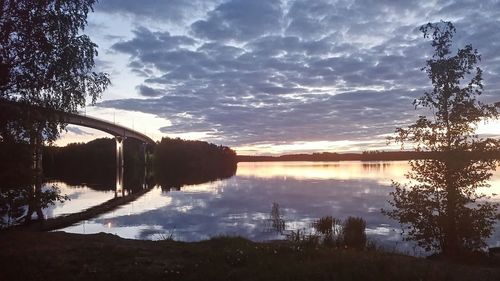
(253, 71)
(173, 11)
(240, 20)
(306, 19)
(77, 131)
(148, 91)
(352, 115)
(146, 41)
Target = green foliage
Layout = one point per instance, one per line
(46, 61)
(440, 209)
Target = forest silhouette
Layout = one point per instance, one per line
(172, 164)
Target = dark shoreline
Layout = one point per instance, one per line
(364, 157)
(65, 256)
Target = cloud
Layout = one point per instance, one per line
(248, 72)
(173, 11)
(240, 20)
(77, 131)
(351, 115)
(146, 41)
(201, 214)
(148, 91)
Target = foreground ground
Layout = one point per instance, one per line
(62, 256)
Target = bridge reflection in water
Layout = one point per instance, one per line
(36, 198)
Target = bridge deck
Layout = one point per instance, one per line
(80, 120)
(105, 126)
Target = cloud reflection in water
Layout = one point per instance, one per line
(241, 205)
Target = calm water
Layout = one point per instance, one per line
(241, 205)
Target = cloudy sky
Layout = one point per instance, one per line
(270, 76)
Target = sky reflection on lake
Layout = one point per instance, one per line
(80, 197)
(241, 205)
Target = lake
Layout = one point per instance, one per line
(241, 205)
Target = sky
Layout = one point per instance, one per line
(272, 77)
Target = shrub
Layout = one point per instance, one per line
(353, 233)
(329, 228)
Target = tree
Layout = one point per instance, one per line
(440, 207)
(46, 61)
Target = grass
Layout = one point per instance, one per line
(63, 256)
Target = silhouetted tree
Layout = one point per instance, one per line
(440, 208)
(45, 61)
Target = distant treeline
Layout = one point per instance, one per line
(365, 156)
(175, 162)
(178, 162)
(93, 162)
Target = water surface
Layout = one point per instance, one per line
(241, 205)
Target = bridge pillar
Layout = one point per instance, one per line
(119, 151)
(119, 191)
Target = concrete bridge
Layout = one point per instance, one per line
(119, 132)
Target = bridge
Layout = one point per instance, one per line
(119, 132)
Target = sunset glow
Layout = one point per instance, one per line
(382, 172)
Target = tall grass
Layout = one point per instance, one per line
(353, 233)
(333, 232)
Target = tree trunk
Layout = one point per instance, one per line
(451, 245)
